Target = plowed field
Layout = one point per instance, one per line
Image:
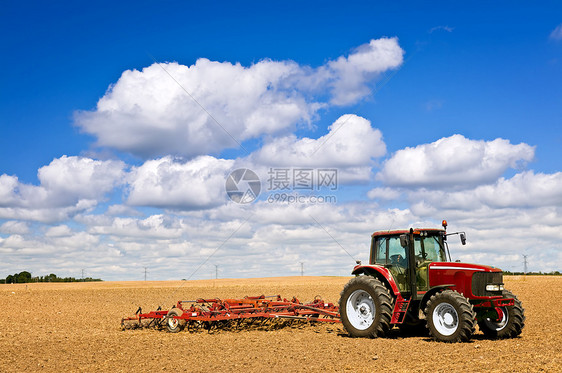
(76, 327)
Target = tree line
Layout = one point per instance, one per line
(25, 277)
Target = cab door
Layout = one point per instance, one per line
(391, 254)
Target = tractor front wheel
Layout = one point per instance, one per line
(365, 307)
(450, 317)
(510, 322)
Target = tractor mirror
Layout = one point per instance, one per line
(463, 238)
(404, 240)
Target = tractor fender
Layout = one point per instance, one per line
(380, 272)
(433, 291)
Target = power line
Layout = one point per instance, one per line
(336, 241)
(216, 271)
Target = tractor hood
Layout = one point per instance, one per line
(455, 266)
(462, 275)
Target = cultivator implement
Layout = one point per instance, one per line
(213, 314)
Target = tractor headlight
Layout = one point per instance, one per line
(494, 287)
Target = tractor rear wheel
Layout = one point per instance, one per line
(174, 325)
(450, 317)
(510, 323)
(365, 307)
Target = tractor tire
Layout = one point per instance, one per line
(450, 317)
(365, 307)
(511, 323)
(174, 325)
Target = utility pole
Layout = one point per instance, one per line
(302, 268)
(82, 274)
(525, 264)
(145, 268)
(216, 271)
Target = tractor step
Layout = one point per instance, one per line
(400, 309)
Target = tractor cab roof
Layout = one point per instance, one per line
(403, 231)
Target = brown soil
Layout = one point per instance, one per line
(76, 327)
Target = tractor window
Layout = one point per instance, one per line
(417, 246)
(396, 253)
(380, 253)
(427, 249)
(432, 249)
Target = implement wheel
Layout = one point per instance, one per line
(510, 322)
(450, 317)
(174, 325)
(365, 307)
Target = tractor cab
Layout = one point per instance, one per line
(407, 255)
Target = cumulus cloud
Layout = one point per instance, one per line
(524, 190)
(171, 183)
(384, 193)
(14, 227)
(350, 145)
(59, 231)
(68, 179)
(351, 75)
(153, 227)
(556, 34)
(67, 185)
(122, 210)
(453, 162)
(192, 110)
(8, 187)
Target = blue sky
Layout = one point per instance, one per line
(472, 90)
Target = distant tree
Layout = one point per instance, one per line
(24, 277)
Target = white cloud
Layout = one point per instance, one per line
(14, 227)
(453, 162)
(122, 210)
(58, 231)
(352, 74)
(67, 185)
(153, 227)
(556, 34)
(46, 214)
(524, 190)
(384, 193)
(149, 114)
(8, 186)
(170, 183)
(443, 28)
(68, 179)
(350, 145)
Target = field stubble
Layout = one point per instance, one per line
(76, 327)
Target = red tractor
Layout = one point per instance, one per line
(410, 283)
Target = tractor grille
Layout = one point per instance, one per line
(481, 279)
